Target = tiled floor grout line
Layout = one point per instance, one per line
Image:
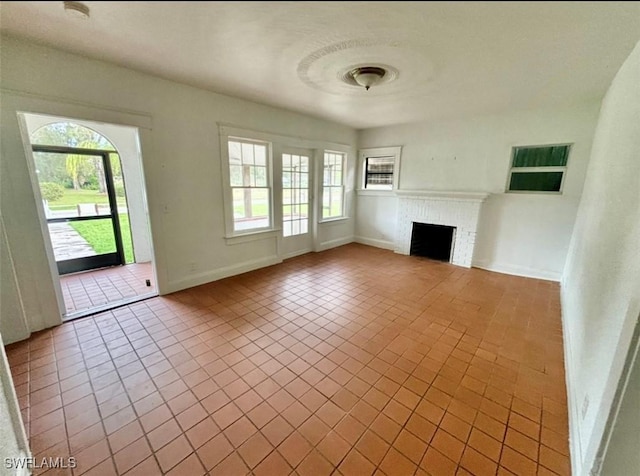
(337, 334)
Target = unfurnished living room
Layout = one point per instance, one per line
(320, 238)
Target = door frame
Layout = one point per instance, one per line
(106, 259)
(58, 109)
(311, 205)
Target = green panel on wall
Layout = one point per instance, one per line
(536, 181)
(554, 156)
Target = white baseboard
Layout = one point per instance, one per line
(327, 245)
(575, 448)
(209, 276)
(386, 245)
(523, 271)
(296, 253)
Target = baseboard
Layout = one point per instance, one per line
(575, 448)
(327, 245)
(523, 271)
(296, 253)
(386, 245)
(221, 273)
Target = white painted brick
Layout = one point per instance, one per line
(462, 214)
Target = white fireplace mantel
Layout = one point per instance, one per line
(451, 208)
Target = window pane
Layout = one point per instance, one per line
(235, 154)
(236, 175)
(536, 181)
(333, 191)
(250, 208)
(260, 152)
(96, 238)
(295, 183)
(555, 156)
(380, 165)
(247, 154)
(260, 176)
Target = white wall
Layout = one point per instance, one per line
(13, 322)
(181, 156)
(601, 282)
(525, 234)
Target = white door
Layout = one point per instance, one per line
(297, 209)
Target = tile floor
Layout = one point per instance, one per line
(351, 361)
(82, 291)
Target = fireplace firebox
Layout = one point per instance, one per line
(432, 241)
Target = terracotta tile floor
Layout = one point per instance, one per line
(351, 361)
(82, 291)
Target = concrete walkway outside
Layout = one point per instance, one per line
(67, 242)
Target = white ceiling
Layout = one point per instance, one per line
(453, 58)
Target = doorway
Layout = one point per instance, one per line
(89, 177)
(89, 211)
(296, 202)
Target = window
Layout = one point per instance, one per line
(333, 185)
(380, 168)
(378, 173)
(295, 194)
(538, 168)
(250, 184)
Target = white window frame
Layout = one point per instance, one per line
(225, 137)
(378, 152)
(342, 216)
(551, 168)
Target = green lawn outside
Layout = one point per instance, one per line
(99, 234)
(72, 197)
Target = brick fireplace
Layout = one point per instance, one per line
(455, 209)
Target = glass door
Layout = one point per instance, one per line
(80, 206)
(296, 201)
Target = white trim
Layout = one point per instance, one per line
(252, 236)
(293, 254)
(44, 227)
(444, 195)
(221, 273)
(333, 221)
(384, 244)
(327, 245)
(575, 446)
(373, 152)
(523, 271)
(92, 111)
(376, 193)
(290, 141)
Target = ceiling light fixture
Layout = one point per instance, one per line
(77, 10)
(367, 76)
